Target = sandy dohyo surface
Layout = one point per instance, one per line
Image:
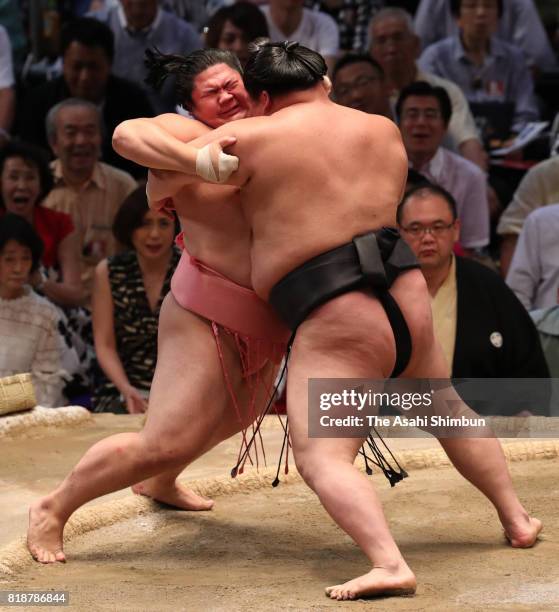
(276, 549)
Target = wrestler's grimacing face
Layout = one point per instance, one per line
(219, 96)
(434, 248)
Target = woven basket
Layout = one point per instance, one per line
(16, 393)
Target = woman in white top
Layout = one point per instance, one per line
(29, 336)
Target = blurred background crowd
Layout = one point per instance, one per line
(84, 264)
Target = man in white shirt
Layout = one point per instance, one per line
(423, 115)
(288, 20)
(539, 187)
(534, 272)
(393, 43)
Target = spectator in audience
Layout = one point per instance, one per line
(423, 113)
(534, 271)
(539, 187)
(359, 82)
(486, 68)
(129, 290)
(547, 324)
(29, 337)
(352, 17)
(26, 182)
(11, 20)
(484, 330)
(138, 25)
(193, 11)
(87, 48)
(395, 46)
(289, 20)
(88, 190)
(520, 25)
(415, 179)
(234, 27)
(7, 93)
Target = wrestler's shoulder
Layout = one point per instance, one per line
(251, 127)
(174, 121)
(377, 130)
(384, 124)
(251, 123)
(374, 124)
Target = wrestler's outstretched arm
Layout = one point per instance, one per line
(156, 142)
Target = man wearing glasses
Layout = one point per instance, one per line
(484, 330)
(359, 82)
(423, 113)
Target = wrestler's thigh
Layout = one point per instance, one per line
(427, 359)
(188, 398)
(305, 363)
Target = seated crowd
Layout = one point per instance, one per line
(85, 264)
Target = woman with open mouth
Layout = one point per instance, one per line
(25, 181)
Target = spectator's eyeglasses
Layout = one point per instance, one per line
(358, 83)
(416, 230)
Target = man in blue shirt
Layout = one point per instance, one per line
(138, 25)
(520, 24)
(486, 68)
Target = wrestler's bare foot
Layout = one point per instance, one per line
(174, 494)
(379, 581)
(44, 536)
(524, 533)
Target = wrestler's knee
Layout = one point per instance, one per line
(318, 465)
(308, 466)
(166, 452)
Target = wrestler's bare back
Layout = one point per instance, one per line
(313, 176)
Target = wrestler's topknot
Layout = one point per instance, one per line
(281, 68)
(185, 68)
(290, 45)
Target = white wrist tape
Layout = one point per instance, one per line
(227, 164)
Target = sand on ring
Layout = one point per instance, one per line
(270, 549)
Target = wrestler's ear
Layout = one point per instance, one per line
(265, 103)
(327, 84)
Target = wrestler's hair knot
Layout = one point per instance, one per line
(290, 45)
(257, 44)
(282, 67)
(160, 66)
